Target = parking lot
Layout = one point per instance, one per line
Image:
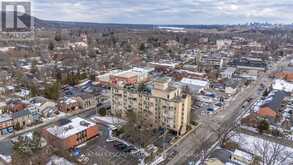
(99, 151)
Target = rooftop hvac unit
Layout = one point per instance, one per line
(83, 123)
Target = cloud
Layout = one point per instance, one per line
(166, 11)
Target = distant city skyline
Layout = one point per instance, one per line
(166, 11)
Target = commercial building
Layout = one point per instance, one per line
(195, 85)
(160, 103)
(68, 105)
(71, 133)
(249, 64)
(22, 119)
(282, 85)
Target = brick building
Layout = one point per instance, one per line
(286, 74)
(68, 105)
(71, 133)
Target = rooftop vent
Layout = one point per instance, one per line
(83, 123)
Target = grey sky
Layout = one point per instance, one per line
(166, 11)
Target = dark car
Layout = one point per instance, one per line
(120, 146)
(128, 149)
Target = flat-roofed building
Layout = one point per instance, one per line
(160, 103)
(195, 85)
(249, 64)
(132, 76)
(71, 133)
(228, 72)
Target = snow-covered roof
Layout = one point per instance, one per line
(5, 117)
(282, 85)
(243, 154)
(142, 70)
(195, 82)
(229, 70)
(173, 65)
(75, 126)
(23, 93)
(70, 100)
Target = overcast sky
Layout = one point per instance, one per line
(166, 11)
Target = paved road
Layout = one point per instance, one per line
(189, 148)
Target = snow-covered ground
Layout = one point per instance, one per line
(6, 159)
(258, 146)
(249, 128)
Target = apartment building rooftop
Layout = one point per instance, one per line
(71, 128)
(126, 74)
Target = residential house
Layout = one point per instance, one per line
(213, 161)
(286, 74)
(6, 124)
(68, 104)
(250, 120)
(87, 101)
(282, 85)
(16, 105)
(87, 94)
(270, 108)
(3, 107)
(22, 119)
(242, 157)
(43, 106)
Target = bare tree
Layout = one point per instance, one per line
(273, 153)
(224, 132)
(204, 152)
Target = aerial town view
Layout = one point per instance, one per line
(146, 82)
